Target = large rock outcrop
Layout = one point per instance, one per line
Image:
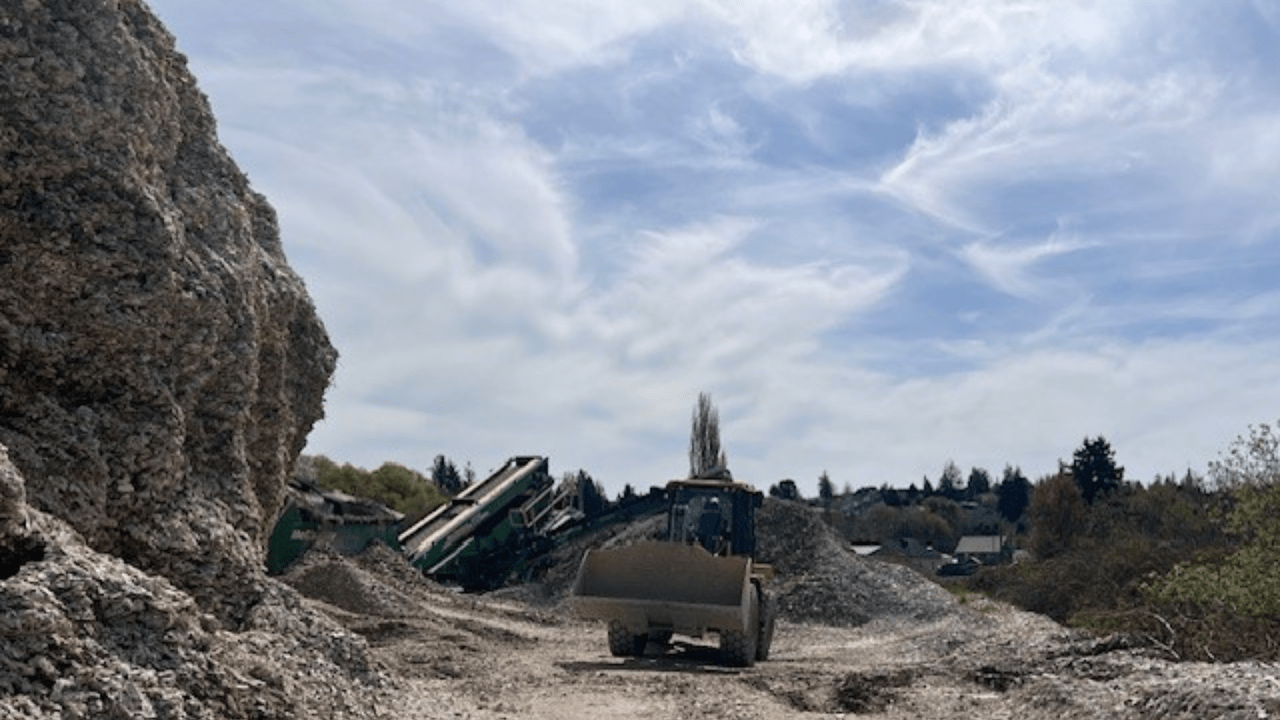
(160, 364)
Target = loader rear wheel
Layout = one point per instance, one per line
(737, 647)
(768, 614)
(622, 643)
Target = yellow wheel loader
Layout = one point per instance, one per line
(701, 578)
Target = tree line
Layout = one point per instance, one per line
(1188, 564)
(415, 494)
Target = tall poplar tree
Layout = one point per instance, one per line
(706, 459)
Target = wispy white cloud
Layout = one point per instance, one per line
(882, 234)
(1009, 268)
(691, 301)
(721, 134)
(804, 41)
(1045, 128)
(543, 38)
(1269, 11)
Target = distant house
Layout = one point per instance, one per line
(986, 549)
(922, 557)
(912, 547)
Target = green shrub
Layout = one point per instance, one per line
(1100, 560)
(1197, 571)
(1228, 606)
(392, 484)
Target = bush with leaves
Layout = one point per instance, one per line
(1095, 560)
(1057, 513)
(927, 524)
(392, 484)
(1232, 603)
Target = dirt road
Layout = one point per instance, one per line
(457, 656)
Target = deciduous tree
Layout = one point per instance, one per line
(950, 482)
(706, 459)
(1247, 581)
(1057, 515)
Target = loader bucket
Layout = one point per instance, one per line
(665, 585)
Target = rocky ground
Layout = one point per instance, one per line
(87, 635)
(857, 637)
(160, 368)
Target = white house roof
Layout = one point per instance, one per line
(980, 544)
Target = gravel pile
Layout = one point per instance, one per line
(86, 635)
(550, 581)
(344, 583)
(817, 580)
(822, 582)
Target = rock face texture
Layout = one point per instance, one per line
(160, 364)
(87, 635)
(160, 368)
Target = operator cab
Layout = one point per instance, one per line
(715, 514)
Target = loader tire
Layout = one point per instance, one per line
(738, 648)
(622, 643)
(768, 613)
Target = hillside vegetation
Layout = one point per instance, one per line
(1188, 564)
(396, 486)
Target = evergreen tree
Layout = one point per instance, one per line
(890, 495)
(591, 495)
(979, 483)
(826, 493)
(1014, 492)
(445, 475)
(1094, 468)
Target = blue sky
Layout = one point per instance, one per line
(883, 235)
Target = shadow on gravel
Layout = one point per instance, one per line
(870, 692)
(679, 657)
(859, 693)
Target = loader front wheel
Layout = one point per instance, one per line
(737, 647)
(622, 643)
